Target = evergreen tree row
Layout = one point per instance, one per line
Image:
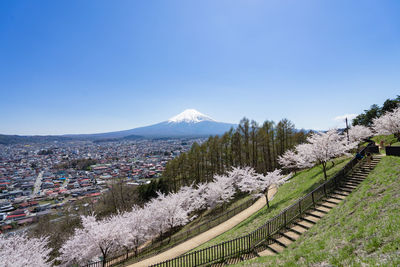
(376, 111)
(250, 144)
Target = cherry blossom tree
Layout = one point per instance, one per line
(95, 238)
(194, 197)
(19, 250)
(275, 178)
(199, 200)
(237, 174)
(290, 160)
(389, 123)
(175, 209)
(167, 213)
(219, 191)
(359, 132)
(305, 158)
(323, 147)
(246, 179)
(188, 194)
(258, 184)
(134, 230)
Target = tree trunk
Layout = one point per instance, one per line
(266, 196)
(104, 253)
(324, 169)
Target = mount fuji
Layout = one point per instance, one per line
(189, 123)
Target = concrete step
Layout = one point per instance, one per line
(284, 240)
(305, 224)
(355, 179)
(290, 235)
(360, 174)
(276, 247)
(340, 194)
(316, 213)
(345, 189)
(332, 201)
(338, 198)
(268, 252)
(311, 219)
(299, 229)
(349, 185)
(322, 208)
(352, 182)
(327, 205)
(292, 230)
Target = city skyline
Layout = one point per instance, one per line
(72, 67)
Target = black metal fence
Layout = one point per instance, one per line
(157, 247)
(392, 150)
(264, 234)
(373, 149)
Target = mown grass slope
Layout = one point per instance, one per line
(387, 140)
(363, 230)
(301, 184)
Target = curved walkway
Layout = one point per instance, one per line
(208, 235)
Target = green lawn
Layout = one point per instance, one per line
(301, 184)
(212, 214)
(387, 139)
(363, 230)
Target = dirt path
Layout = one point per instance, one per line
(208, 235)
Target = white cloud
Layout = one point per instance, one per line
(343, 117)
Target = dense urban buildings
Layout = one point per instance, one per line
(39, 179)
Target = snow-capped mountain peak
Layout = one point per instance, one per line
(191, 116)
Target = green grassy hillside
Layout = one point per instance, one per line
(363, 230)
(387, 140)
(301, 184)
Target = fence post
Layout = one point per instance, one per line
(325, 190)
(312, 196)
(299, 207)
(223, 250)
(284, 218)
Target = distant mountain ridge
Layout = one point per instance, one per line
(21, 139)
(189, 123)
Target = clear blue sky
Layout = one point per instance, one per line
(96, 66)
